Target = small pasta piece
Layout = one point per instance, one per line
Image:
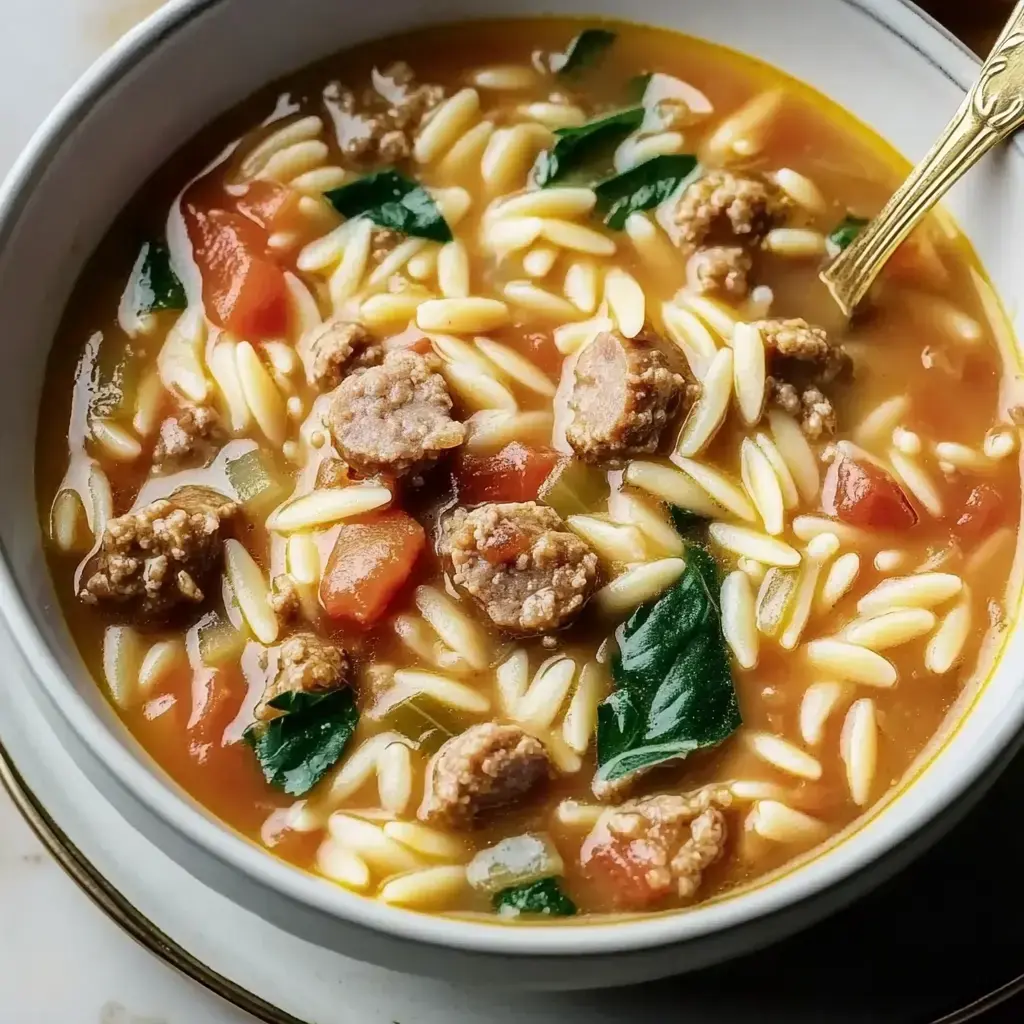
(282, 357)
(345, 280)
(890, 629)
(478, 389)
(818, 703)
(303, 557)
(455, 350)
(946, 646)
(326, 505)
(922, 590)
(741, 540)
(1001, 442)
(539, 706)
(453, 270)
(693, 338)
(319, 180)
(881, 421)
(430, 887)
(325, 252)
(581, 283)
(965, 458)
(858, 748)
(744, 132)
(790, 495)
(534, 299)
(418, 637)
(449, 121)
(394, 777)
(537, 263)
(574, 814)
(795, 243)
(300, 130)
(809, 527)
(179, 361)
(635, 150)
(441, 688)
(841, 577)
(359, 766)
(427, 842)
(800, 603)
(889, 561)
(511, 234)
(756, 789)
(453, 202)
(261, 394)
(739, 625)
(914, 477)
(754, 570)
(162, 659)
(651, 244)
(749, 372)
(423, 265)
(505, 77)
(709, 411)
(391, 311)
(658, 532)
(612, 542)
(367, 840)
(454, 626)
(394, 261)
(577, 238)
(470, 315)
(513, 679)
(333, 861)
(149, 405)
(573, 337)
(785, 756)
(801, 190)
(554, 115)
(580, 720)
(718, 317)
(516, 366)
(673, 486)
(67, 518)
(723, 491)
(638, 585)
(797, 453)
(123, 653)
(843, 660)
(563, 203)
(251, 591)
(780, 823)
(762, 484)
(906, 441)
(491, 429)
(509, 155)
(626, 301)
(463, 159)
(100, 509)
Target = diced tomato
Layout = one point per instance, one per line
(513, 474)
(862, 494)
(244, 291)
(370, 562)
(982, 513)
(268, 204)
(215, 704)
(629, 873)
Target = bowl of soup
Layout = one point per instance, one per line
(446, 509)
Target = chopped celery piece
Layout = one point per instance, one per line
(518, 860)
(219, 642)
(256, 481)
(425, 721)
(773, 599)
(574, 488)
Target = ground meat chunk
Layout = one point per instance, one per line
(723, 208)
(528, 572)
(306, 664)
(379, 127)
(394, 417)
(284, 597)
(621, 399)
(335, 347)
(646, 849)
(186, 433)
(801, 361)
(487, 767)
(158, 557)
(719, 269)
(332, 472)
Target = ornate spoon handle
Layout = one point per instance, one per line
(991, 111)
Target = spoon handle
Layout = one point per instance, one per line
(992, 110)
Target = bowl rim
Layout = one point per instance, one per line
(181, 814)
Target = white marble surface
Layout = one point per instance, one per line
(61, 960)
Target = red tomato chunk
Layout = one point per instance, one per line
(862, 494)
(982, 513)
(371, 561)
(513, 474)
(269, 205)
(243, 290)
(630, 872)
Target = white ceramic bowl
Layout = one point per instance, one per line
(880, 58)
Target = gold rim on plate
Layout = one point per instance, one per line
(106, 896)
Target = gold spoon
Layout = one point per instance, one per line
(992, 110)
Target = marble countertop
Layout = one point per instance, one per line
(62, 961)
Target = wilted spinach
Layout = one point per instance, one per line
(642, 187)
(393, 201)
(542, 897)
(578, 146)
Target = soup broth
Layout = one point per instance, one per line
(558, 548)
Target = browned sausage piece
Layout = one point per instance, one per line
(394, 417)
(306, 664)
(334, 348)
(518, 560)
(159, 556)
(487, 767)
(621, 399)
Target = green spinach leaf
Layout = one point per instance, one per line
(154, 284)
(845, 232)
(674, 690)
(643, 187)
(685, 521)
(583, 52)
(542, 897)
(392, 201)
(578, 146)
(298, 748)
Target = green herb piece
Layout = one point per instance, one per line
(845, 232)
(298, 748)
(154, 285)
(684, 520)
(425, 721)
(543, 897)
(257, 483)
(583, 52)
(674, 690)
(574, 488)
(575, 147)
(393, 201)
(643, 187)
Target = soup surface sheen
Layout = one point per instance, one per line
(558, 548)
